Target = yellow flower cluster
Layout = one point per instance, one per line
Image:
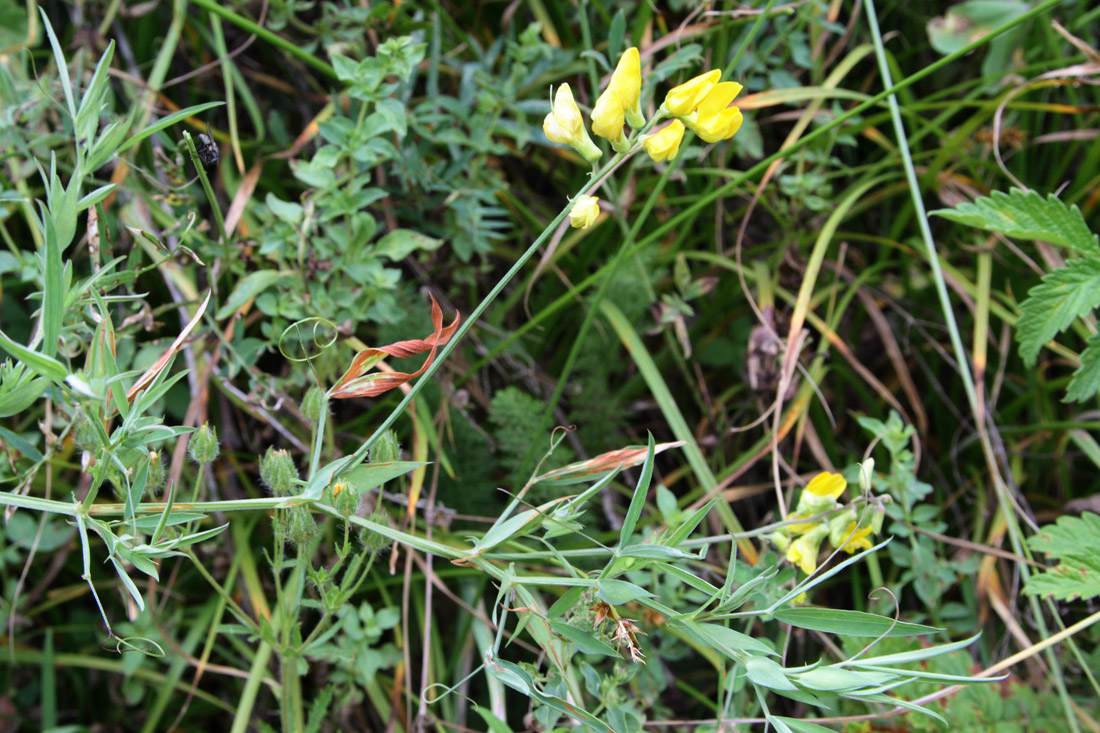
(701, 104)
(801, 541)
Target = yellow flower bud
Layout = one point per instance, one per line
(565, 125)
(584, 213)
(686, 98)
(664, 144)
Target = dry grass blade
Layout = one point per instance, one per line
(152, 372)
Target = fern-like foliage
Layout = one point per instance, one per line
(1065, 294)
(1075, 543)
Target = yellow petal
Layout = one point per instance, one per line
(721, 125)
(685, 99)
(664, 144)
(827, 484)
(719, 97)
(857, 539)
(626, 80)
(584, 213)
(607, 116)
(554, 131)
(566, 112)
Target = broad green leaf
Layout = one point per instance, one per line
(400, 243)
(372, 475)
(39, 363)
(1086, 379)
(248, 288)
(723, 639)
(53, 300)
(618, 592)
(26, 394)
(1063, 296)
(849, 623)
(801, 726)
(1075, 543)
(1027, 215)
(834, 679)
(916, 655)
(766, 673)
(584, 640)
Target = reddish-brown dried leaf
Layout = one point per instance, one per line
(602, 464)
(152, 372)
(357, 382)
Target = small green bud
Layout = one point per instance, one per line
(84, 433)
(345, 498)
(780, 539)
(878, 513)
(156, 471)
(373, 541)
(278, 472)
(300, 525)
(387, 450)
(314, 404)
(203, 447)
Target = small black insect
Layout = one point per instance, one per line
(207, 149)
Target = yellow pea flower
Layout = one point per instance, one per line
(856, 539)
(608, 120)
(626, 84)
(664, 144)
(803, 552)
(715, 120)
(686, 98)
(585, 211)
(564, 125)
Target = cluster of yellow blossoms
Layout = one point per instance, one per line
(802, 540)
(701, 104)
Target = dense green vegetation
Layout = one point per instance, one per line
(331, 399)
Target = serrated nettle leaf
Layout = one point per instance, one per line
(849, 623)
(1086, 379)
(1075, 543)
(1064, 295)
(1027, 215)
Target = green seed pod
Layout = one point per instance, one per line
(314, 404)
(203, 447)
(300, 525)
(345, 498)
(278, 472)
(387, 449)
(373, 541)
(156, 471)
